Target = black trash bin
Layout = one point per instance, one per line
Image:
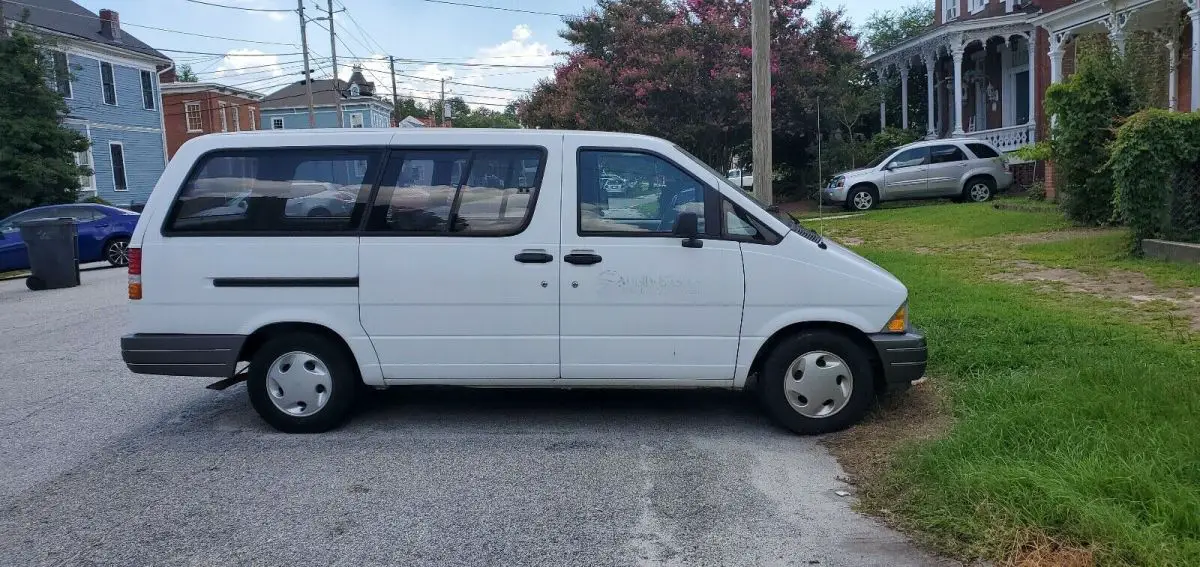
(53, 247)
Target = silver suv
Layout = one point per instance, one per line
(963, 168)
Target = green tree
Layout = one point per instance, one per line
(37, 162)
(408, 106)
(186, 75)
(886, 29)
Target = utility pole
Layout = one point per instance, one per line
(312, 117)
(442, 103)
(760, 44)
(333, 56)
(395, 95)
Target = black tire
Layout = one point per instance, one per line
(775, 397)
(342, 376)
(871, 193)
(116, 251)
(975, 187)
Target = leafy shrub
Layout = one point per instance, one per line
(889, 138)
(1156, 169)
(1037, 191)
(95, 199)
(1089, 107)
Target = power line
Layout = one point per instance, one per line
(361, 29)
(240, 7)
(220, 54)
(498, 8)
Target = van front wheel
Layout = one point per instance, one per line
(301, 383)
(817, 382)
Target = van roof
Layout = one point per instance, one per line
(416, 132)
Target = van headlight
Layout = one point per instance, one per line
(899, 321)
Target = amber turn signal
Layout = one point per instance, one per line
(899, 321)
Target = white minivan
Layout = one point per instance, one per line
(497, 258)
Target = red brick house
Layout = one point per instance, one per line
(195, 109)
(988, 62)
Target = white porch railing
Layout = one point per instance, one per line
(1008, 138)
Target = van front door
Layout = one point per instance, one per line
(636, 303)
(459, 276)
(907, 175)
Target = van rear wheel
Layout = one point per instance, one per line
(817, 382)
(302, 383)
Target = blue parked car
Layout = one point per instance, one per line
(104, 233)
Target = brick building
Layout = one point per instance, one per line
(195, 109)
(988, 63)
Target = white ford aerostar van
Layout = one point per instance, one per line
(326, 260)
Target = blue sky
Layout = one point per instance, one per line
(441, 37)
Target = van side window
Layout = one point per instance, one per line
(292, 191)
(623, 192)
(742, 227)
(485, 192)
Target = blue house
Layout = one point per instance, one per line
(110, 82)
(287, 108)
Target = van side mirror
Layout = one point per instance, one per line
(687, 227)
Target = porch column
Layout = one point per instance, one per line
(1172, 76)
(882, 99)
(1194, 14)
(1030, 41)
(930, 60)
(904, 96)
(1056, 56)
(1116, 30)
(957, 54)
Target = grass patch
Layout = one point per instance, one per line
(1076, 429)
(1110, 251)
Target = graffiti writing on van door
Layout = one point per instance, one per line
(614, 282)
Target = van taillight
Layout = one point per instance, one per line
(135, 273)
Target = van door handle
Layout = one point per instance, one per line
(534, 257)
(582, 258)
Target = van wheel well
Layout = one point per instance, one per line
(866, 185)
(859, 338)
(258, 338)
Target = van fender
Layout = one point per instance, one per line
(344, 322)
(753, 340)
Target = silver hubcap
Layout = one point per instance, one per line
(980, 192)
(298, 383)
(118, 253)
(818, 384)
(862, 200)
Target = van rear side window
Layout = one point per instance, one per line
(285, 191)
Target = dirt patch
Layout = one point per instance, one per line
(866, 451)
(1121, 285)
(850, 241)
(1042, 551)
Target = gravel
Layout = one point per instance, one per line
(105, 467)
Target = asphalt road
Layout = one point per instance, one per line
(104, 467)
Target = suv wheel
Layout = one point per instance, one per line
(861, 199)
(817, 382)
(302, 383)
(979, 190)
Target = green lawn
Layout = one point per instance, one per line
(1072, 419)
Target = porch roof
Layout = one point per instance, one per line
(944, 37)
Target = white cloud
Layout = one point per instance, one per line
(517, 51)
(249, 69)
(267, 5)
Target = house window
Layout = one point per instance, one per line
(148, 90)
(277, 123)
(250, 114)
(61, 74)
(192, 116)
(237, 119)
(354, 91)
(116, 151)
(224, 118)
(86, 182)
(976, 6)
(951, 10)
(356, 120)
(108, 84)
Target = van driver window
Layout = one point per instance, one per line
(630, 192)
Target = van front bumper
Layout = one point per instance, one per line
(902, 357)
(213, 356)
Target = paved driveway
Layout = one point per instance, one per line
(104, 467)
